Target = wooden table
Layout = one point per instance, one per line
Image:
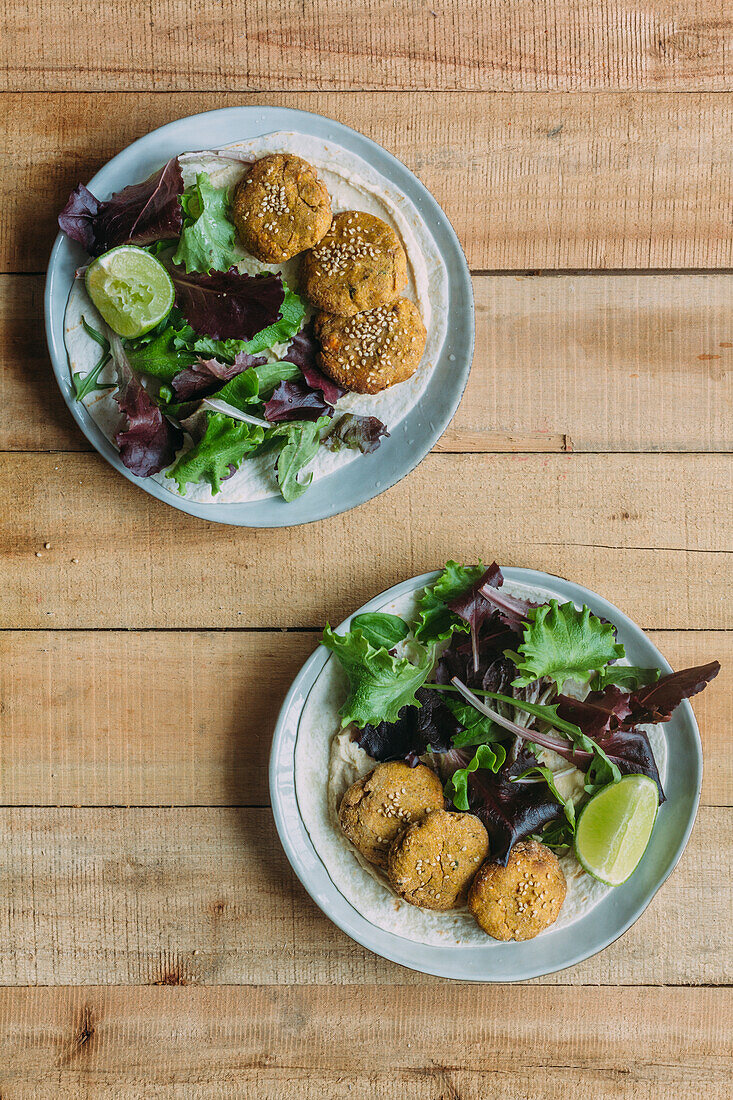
(154, 942)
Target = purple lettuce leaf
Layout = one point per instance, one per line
(656, 702)
(302, 352)
(416, 728)
(228, 304)
(473, 607)
(495, 671)
(359, 433)
(597, 714)
(206, 376)
(139, 214)
(509, 811)
(148, 443)
(296, 400)
(511, 610)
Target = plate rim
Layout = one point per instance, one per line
(361, 489)
(387, 944)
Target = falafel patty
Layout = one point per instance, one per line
(432, 864)
(281, 207)
(359, 264)
(519, 901)
(378, 807)
(373, 350)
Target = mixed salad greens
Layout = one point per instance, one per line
(483, 686)
(213, 364)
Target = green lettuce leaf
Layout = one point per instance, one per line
(290, 321)
(381, 629)
(490, 757)
(628, 677)
(224, 444)
(545, 773)
(208, 236)
(380, 685)
(562, 643)
(477, 728)
(435, 621)
(301, 440)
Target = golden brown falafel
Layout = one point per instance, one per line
(519, 901)
(433, 862)
(379, 806)
(281, 207)
(359, 264)
(373, 350)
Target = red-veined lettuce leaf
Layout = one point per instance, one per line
(149, 441)
(228, 304)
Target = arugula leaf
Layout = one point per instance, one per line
(545, 773)
(380, 685)
(381, 629)
(223, 445)
(302, 439)
(435, 621)
(628, 677)
(489, 757)
(562, 643)
(208, 236)
(87, 383)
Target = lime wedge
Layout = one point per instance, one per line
(614, 828)
(131, 289)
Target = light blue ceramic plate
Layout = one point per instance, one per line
(494, 961)
(418, 432)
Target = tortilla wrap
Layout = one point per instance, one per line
(327, 762)
(353, 185)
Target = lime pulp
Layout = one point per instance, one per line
(131, 289)
(614, 828)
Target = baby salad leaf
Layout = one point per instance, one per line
(206, 376)
(435, 621)
(381, 629)
(302, 439)
(477, 728)
(358, 433)
(656, 702)
(296, 401)
(380, 685)
(139, 214)
(215, 457)
(302, 352)
(208, 236)
(161, 357)
(562, 643)
(148, 442)
(87, 383)
(428, 727)
(490, 757)
(628, 677)
(473, 607)
(545, 773)
(229, 304)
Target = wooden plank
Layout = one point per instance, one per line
(389, 44)
(472, 1041)
(645, 530)
(103, 731)
(141, 896)
(584, 363)
(555, 181)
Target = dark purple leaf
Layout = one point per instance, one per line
(656, 702)
(416, 727)
(599, 713)
(302, 352)
(631, 752)
(474, 608)
(228, 304)
(296, 401)
(149, 441)
(206, 376)
(508, 810)
(511, 610)
(493, 668)
(359, 433)
(139, 214)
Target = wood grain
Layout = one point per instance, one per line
(582, 363)
(645, 530)
(387, 44)
(319, 1041)
(529, 181)
(105, 730)
(201, 895)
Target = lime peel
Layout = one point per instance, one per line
(614, 828)
(131, 289)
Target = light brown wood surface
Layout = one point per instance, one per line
(559, 180)
(583, 154)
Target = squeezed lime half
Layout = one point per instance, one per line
(131, 289)
(614, 828)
